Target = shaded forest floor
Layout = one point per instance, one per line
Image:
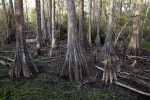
(48, 85)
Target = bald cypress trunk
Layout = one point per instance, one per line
(23, 66)
(146, 14)
(7, 31)
(43, 25)
(81, 24)
(75, 66)
(134, 47)
(38, 32)
(53, 51)
(89, 28)
(108, 46)
(11, 23)
(98, 40)
(109, 73)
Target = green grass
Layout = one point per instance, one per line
(47, 86)
(145, 44)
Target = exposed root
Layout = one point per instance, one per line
(109, 74)
(75, 67)
(134, 51)
(93, 57)
(54, 52)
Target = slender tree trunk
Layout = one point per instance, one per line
(105, 12)
(89, 29)
(146, 14)
(58, 17)
(109, 74)
(120, 13)
(38, 32)
(23, 66)
(81, 24)
(126, 8)
(43, 25)
(134, 47)
(11, 23)
(108, 46)
(6, 19)
(26, 6)
(98, 40)
(75, 66)
(53, 51)
(50, 20)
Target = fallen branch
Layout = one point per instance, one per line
(125, 86)
(4, 63)
(45, 61)
(144, 58)
(145, 78)
(46, 58)
(8, 59)
(133, 89)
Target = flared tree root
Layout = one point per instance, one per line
(109, 74)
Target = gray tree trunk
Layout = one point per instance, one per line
(108, 46)
(98, 40)
(134, 47)
(146, 14)
(58, 17)
(38, 32)
(50, 19)
(89, 29)
(43, 25)
(81, 24)
(75, 66)
(109, 73)
(11, 22)
(6, 19)
(53, 51)
(23, 66)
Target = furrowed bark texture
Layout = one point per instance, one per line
(109, 54)
(89, 28)
(98, 40)
(81, 24)
(53, 51)
(134, 47)
(38, 32)
(11, 23)
(75, 66)
(43, 25)
(23, 67)
(108, 46)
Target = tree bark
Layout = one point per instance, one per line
(38, 32)
(58, 17)
(81, 24)
(109, 73)
(43, 25)
(23, 67)
(6, 19)
(146, 14)
(75, 66)
(108, 46)
(27, 16)
(89, 29)
(134, 47)
(98, 40)
(11, 23)
(50, 19)
(53, 51)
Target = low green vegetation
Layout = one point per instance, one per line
(49, 86)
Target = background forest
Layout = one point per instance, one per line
(75, 49)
